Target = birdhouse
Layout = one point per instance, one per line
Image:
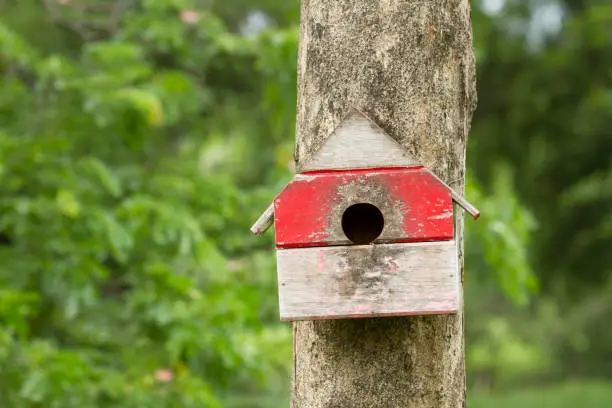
(364, 231)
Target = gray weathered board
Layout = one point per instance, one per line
(368, 280)
(359, 143)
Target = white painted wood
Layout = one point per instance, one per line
(264, 222)
(368, 281)
(359, 143)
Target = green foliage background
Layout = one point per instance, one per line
(140, 139)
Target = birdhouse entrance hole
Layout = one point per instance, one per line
(362, 223)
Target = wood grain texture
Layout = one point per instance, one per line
(264, 222)
(416, 207)
(409, 65)
(368, 281)
(358, 143)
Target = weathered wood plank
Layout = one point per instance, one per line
(368, 281)
(358, 143)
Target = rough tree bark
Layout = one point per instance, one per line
(409, 65)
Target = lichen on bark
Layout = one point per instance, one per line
(409, 65)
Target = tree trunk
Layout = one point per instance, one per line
(410, 66)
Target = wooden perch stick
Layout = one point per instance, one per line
(463, 203)
(473, 211)
(264, 222)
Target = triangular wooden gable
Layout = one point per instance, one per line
(359, 143)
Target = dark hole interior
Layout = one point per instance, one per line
(362, 223)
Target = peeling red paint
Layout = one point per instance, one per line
(394, 267)
(321, 261)
(440, 305)
(308, 210)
